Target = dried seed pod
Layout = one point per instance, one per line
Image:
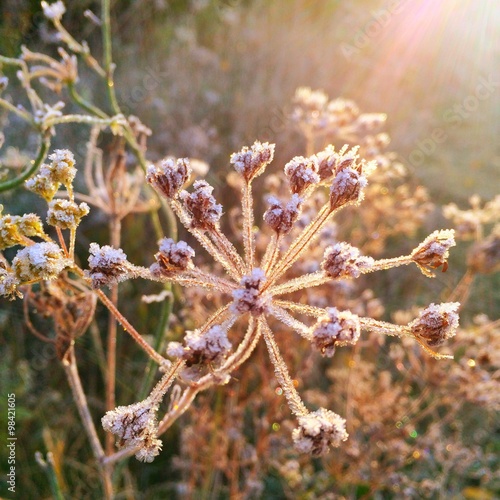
(344, 261)
(302, 173)
(281, 217)
(335, 329)
(169, 176)
(107, 265)
(436, 323)
(251, 162)
(172, 257)
(433, 252)
(204, 210)
(318, 431)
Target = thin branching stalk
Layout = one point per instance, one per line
(71, 369)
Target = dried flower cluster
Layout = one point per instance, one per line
(255, 284)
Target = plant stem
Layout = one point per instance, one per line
(130, 329)
(115, 237)
(108, 60)
(71, 369)
(42, 153)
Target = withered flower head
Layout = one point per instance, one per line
(135, 426)
(251, 162)
(107, 265)
(433, 252)
(172, 257)
(335, 329)
(347, 187)
(201, 347)
(319, 430)
(204, 210)
(281, 217)
(40, 261)
(344, 261)
(169, 176)
(436, 323)
(302, 173)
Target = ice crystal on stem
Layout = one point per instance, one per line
(255, 284)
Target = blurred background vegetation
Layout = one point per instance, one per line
(209, 76)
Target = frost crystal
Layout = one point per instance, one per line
(107, 265)
(281, 217)
(169, 176)
(344, 261)
(172, 257)
(251, 162)
(335, 329)
(201, 205)
(135, 426)
(318, 431)
(436, 323)
(40, 261)
(248, 298)
(66, 214)
(302, 173)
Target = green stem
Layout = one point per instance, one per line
(19, 112)
(42, 153)
(108, 61)
(84, 104)
(48, 467)
(159, 343)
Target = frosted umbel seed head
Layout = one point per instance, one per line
(201, 205)
(335, 329)
(41, 261)
(66, 214)
(50, 177)
(436, 323)
(135, 426)
(169, 176)
(251, 162)
(172, 257)
(107, 265)
(433, 252)
(302, 173)
(280, 216)
(248, 298)
(344, 261)
(318, 431)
